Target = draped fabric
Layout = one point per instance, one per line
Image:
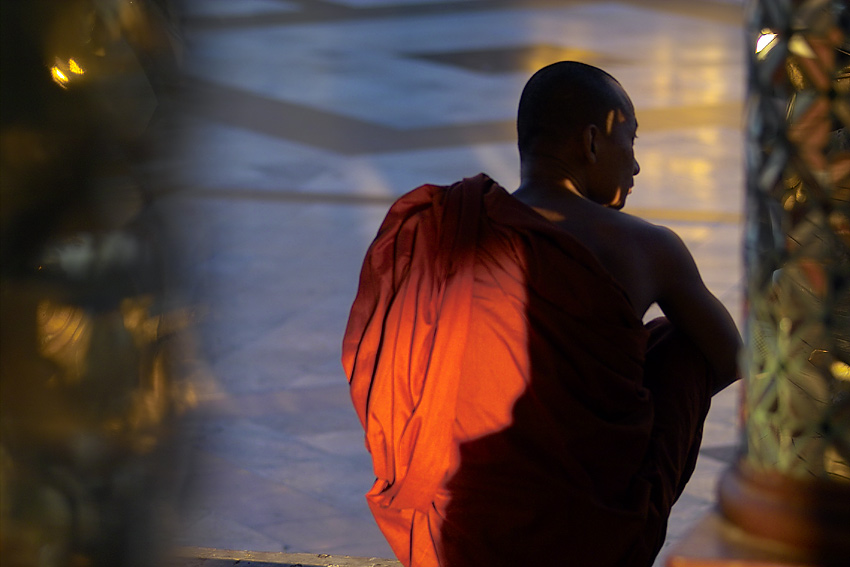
(498, 372)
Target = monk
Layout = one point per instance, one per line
(514, 403)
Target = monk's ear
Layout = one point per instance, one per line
(589, 139)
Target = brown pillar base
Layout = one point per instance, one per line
(811, 516)
(716, 542)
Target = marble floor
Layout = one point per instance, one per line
(308, 117)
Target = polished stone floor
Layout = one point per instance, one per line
(308, 117)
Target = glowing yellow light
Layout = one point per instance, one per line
(74, 67)
(800, 46)
(65, 335)
(58, 76)
(840, 370)
(765, 41)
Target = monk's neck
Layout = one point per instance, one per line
(552, 196)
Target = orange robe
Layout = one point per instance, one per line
(499, 373)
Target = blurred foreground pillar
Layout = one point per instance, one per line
(92, 358)
(791, 486)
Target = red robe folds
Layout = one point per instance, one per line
(498, 371)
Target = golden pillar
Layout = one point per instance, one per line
(791, 486)
(91, 352)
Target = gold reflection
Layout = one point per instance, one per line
(840, 370)
(709, 136)
(63, 72)
(765, 42)
(836, 464)
(59, 77)
(137, 319)
(64, 337)
(75, 67)
(692, 168)
(800, 46)
(716, 84)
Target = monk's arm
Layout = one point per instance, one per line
(694, 310)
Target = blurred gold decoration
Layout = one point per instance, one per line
(64, 337)
(792, 484)
(95, 357)
(840, 370)
(63, 72)
(59, 77)
(765, 42)
(75, 68)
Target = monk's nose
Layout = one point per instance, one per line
(637, 168)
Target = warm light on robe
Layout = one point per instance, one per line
(498, 371)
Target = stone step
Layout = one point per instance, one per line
(209, 557)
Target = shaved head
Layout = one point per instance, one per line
(560, 100)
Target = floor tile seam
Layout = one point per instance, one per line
(705, 447)
(326, 510)
(222, 353)
(212, 515)
(277, 436)
(340, 514)
(333, 508)
(734, 289)
(723, 287)
(230, 406)
(686, 216)
(714, 219)
(265, 527)
(720, 258)
(707, 455)
(352, 136)
(235, 353)
(325, 12)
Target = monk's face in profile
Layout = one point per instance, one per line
(616, 164)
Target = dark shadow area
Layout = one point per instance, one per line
(519, 59)
(606, 430)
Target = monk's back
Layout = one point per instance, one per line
(626, 246)
(509, 394)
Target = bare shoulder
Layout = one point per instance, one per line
(643, 257)
(656, 242)
(645, 230)
(675, 284)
